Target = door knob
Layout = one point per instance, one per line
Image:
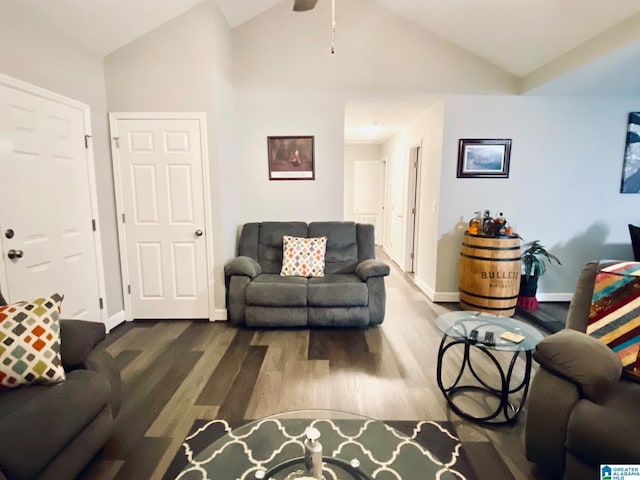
(9, 233)
(12, 254)
(198, 233)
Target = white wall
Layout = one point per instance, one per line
(266, 112)
(426, 132)
(376, 50)
(32, 52)
(563, 186)
(185, 65)
(356, 153)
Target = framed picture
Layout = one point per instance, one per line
(484, 158)
(631, 167)
(291, 158)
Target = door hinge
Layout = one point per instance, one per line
(411, 256)
(117, 140)
(93, 224)
(129, 289)
(86, 140)
(413, 211)
(123, 219)
(101, 304)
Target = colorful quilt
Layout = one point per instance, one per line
(614, 317)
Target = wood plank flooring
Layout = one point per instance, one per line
(175, 372)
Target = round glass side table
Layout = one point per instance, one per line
(479, 371)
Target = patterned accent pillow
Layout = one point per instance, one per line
(30, 343)
(303, 257)
(614, 317)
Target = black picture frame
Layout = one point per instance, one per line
(631, 166)
(484, 158)
(291, 157)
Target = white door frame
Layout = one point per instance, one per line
(97, 242)
(115, 158)
(413, 202)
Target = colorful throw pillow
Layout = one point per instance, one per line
(303, 257)
(30, 343)
(614, 317)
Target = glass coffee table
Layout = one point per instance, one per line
(353, 447)
(480, 388)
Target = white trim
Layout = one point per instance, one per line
(424, 288)
(220, 315)
(554, 297)
(449, 297)
(115, 320)
(86, 114)
(201, 117)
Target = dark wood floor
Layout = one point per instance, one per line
(175, 372)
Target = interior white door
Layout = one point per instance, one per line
(46, 227)
(368, 195)
(161, 177)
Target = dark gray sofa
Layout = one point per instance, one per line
(52, 431)
(351, 294)
(581, 412)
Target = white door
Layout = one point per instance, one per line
(368, 195)
(46, 201)
(160, 175)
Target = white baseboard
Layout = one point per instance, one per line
(220, 314)
(115, 320)
(554, 297)
(452, 297)
(424, 288)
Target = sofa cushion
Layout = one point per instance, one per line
(269, 247)
(342, 245)
(335, 290)
(277, 291)
(42, 420)
(30, 342)
(303, 257)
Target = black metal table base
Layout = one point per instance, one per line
(506, 411)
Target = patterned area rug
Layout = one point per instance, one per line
(216, 449)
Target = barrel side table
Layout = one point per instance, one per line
(489, 274)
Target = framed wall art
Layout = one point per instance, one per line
(631, 167)
(291, 158)
(484, 158)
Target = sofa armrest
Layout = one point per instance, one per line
(77, 339)
(246, 266)
(582, 359)
(371, 268)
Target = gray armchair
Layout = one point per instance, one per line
(581, 412)
(351, 294)
(52, 431)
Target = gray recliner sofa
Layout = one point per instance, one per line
(582, 413)
(351, 294)
(53, 431)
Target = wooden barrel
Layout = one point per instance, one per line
(489, 274)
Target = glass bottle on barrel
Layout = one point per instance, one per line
(486, 225)
(474, 224)
(501, 225)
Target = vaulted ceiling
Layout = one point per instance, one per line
(554, 46)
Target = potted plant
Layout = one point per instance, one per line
(535, 259)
